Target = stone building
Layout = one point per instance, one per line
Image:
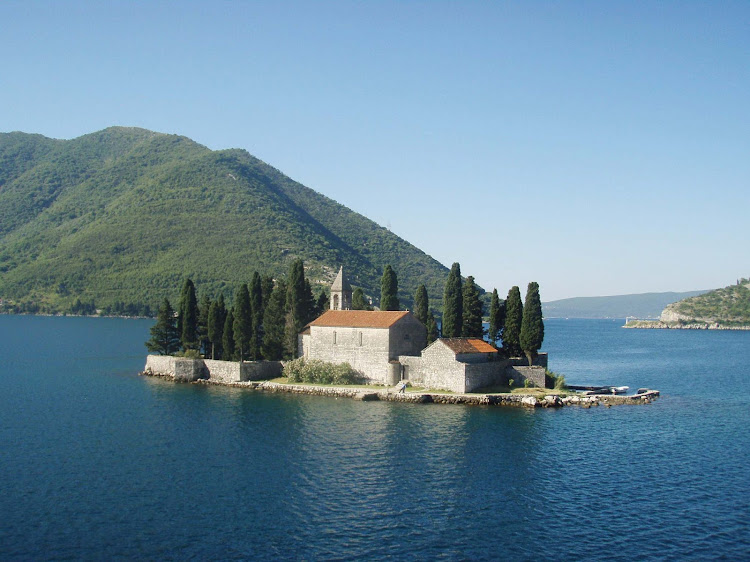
(341, 292)
(371, 341)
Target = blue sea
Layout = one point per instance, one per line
(97, 463)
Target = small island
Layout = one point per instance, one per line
(721, 309)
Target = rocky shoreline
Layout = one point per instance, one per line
(550, 400)
(661, 325)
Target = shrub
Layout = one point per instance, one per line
(190, 354)
(553, 380)
(320, 372)
(510, 383)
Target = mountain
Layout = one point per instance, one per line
(645, 305)
(729, 306)
(123, 215)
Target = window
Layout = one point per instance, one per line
(360, 339)
(334, 338)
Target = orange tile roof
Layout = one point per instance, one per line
(468, 345)
(359, 318)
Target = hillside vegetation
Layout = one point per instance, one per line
(644, 305)
(729, 306)
(124, 215)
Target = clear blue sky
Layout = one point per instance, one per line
(598, 148)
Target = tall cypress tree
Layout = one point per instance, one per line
(187, 318)
(532, 324)
(273, 323)
(472, 311)
(432, 329)
(513, 318)
(389, 289)
(497, 318)
(266, 288)
(421, 304)
(256, 305)
(216, 317)
(322, 303)
(204, 308)
(243, 322)
(309, 303)
(453, 304)
(227, 341)
(296, 306)
(358, 300)
(165, 339)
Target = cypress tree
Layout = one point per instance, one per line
(453, 304)
(204, 309)
(296, 308)
(187, 318)
(243, 322)
(472, 311)
(309, 303)
(497, 318)
(256, 305)
(358, 300)
(227, 341)
(432, 329)
(216, 316)
(266, 288)
(532, 324)
(421, 305)
(165, 339)
(389, 289)
(273, 323)
(322, 303)
(513, 318)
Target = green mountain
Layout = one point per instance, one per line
(125, 214)
(645, 305)
(729, 306)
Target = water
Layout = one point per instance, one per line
(98, 463)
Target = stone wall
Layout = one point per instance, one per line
(365, 349)
(407, 337)
(539, 361)
(189, 370)
(535, 375)
(178, 368)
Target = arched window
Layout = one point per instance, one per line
(335, 302)
(334, 338)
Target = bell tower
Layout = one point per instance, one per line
(341, 292)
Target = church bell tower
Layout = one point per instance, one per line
(341, 292)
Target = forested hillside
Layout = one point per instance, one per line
(124, 215)
(729, 306)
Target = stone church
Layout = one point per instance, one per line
(388, 346)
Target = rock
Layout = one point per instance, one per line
(529, 401)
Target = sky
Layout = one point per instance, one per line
(598, 148)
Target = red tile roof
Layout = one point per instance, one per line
(359, 318)
(468, 345)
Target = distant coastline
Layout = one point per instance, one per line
(661, 325)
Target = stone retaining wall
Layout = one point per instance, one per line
(190, 370)
(535, 375)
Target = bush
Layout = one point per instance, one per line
(553, 380)
(190, 354)
(320, 372)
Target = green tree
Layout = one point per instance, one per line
(472, 311)
(216, 316)
(187, 316)
(309, 303)
(256, 305)
(358, 300)
(389, 289)
(296, 307)
(497, 318)
(453, 304)
(165, 339)
(266, 288)
(227, 341)
(513, 318)
(243, 322)
(432, 329)
(204, 308)
(532, 324)
(421, 304)
(322, 303)
(274, 321)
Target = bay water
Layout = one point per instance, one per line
(98, 463)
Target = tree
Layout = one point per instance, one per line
(497, 318)
(227, 341)
(322, 303)
(432, 329)
(165, 339)
(421, 304)
(187, 316)
(472, 311)
(532, 324)
(216, 316)
(273, 323)
(513, 318)
(453, 304)
(389, 290)
(358, 300)
(243, 322)
(296, 307)
(256, 305)
(204, 309)
(309, 303)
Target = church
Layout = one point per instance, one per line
(388, 346)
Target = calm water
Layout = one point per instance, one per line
(98, 463)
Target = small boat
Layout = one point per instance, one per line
(620, 389)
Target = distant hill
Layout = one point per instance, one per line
(729, 306)
(125, 214)
(645, 305)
